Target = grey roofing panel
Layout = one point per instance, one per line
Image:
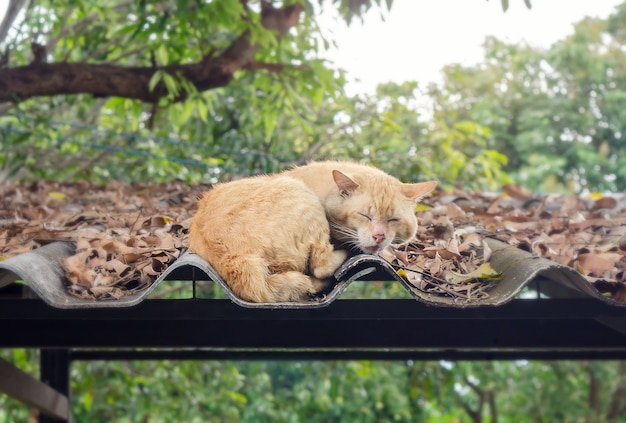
(41, 270)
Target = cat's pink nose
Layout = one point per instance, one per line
(378, 238)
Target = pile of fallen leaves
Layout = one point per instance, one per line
(450, 256)
(127, 235)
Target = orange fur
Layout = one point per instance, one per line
(269, 237)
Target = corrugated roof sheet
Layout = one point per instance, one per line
(41, 270)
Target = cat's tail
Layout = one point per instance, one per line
(249, 278)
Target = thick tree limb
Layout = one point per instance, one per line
(106, 80)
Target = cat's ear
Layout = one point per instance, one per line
(417, 191)
(344, 183)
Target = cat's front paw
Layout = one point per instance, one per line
(321, 287)
(332, 263)
(339, 256)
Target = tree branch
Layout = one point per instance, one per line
(594, 391)
(493, 409)
(477, 414)
(106, 80)
(619, 396)
(272, 67)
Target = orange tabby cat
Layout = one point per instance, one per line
(269, 237)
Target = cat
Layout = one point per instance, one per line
(271, 237)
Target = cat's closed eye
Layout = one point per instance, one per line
(393, 220)
(365, 216)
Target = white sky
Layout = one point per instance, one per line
(419, 37)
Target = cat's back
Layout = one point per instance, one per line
(260, 197)
(264, 212)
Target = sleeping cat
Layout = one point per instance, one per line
(269, 237)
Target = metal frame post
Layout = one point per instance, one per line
(54, 370)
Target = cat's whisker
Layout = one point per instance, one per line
(349, 233)
(399, 242)
(349, 237)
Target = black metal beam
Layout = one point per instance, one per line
(54, 369)
(565, 325)
(344, 355)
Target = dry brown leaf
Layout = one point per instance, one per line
(604, 203)
(518, 192)
(590, 265)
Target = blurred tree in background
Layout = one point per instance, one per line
(557, 115)
(205, 92)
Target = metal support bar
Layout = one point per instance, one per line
(23, 387)
(54, 368)
(343, 355)
(201, 329)
(520, 325)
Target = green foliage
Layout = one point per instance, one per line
(363, 391)
(390, 131)
(263, 121)
(194, 139)
(557, 115)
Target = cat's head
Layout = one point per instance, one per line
(369, 211)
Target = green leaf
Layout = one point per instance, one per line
(87, 400)
(173, 87)
(187, 110)
(505, 5)
(269, 123)
(203, 111)
(162, 55)
(156, 78)
(238, 398)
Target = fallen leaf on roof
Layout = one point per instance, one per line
(483, 272)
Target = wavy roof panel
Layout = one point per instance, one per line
(42, 271)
